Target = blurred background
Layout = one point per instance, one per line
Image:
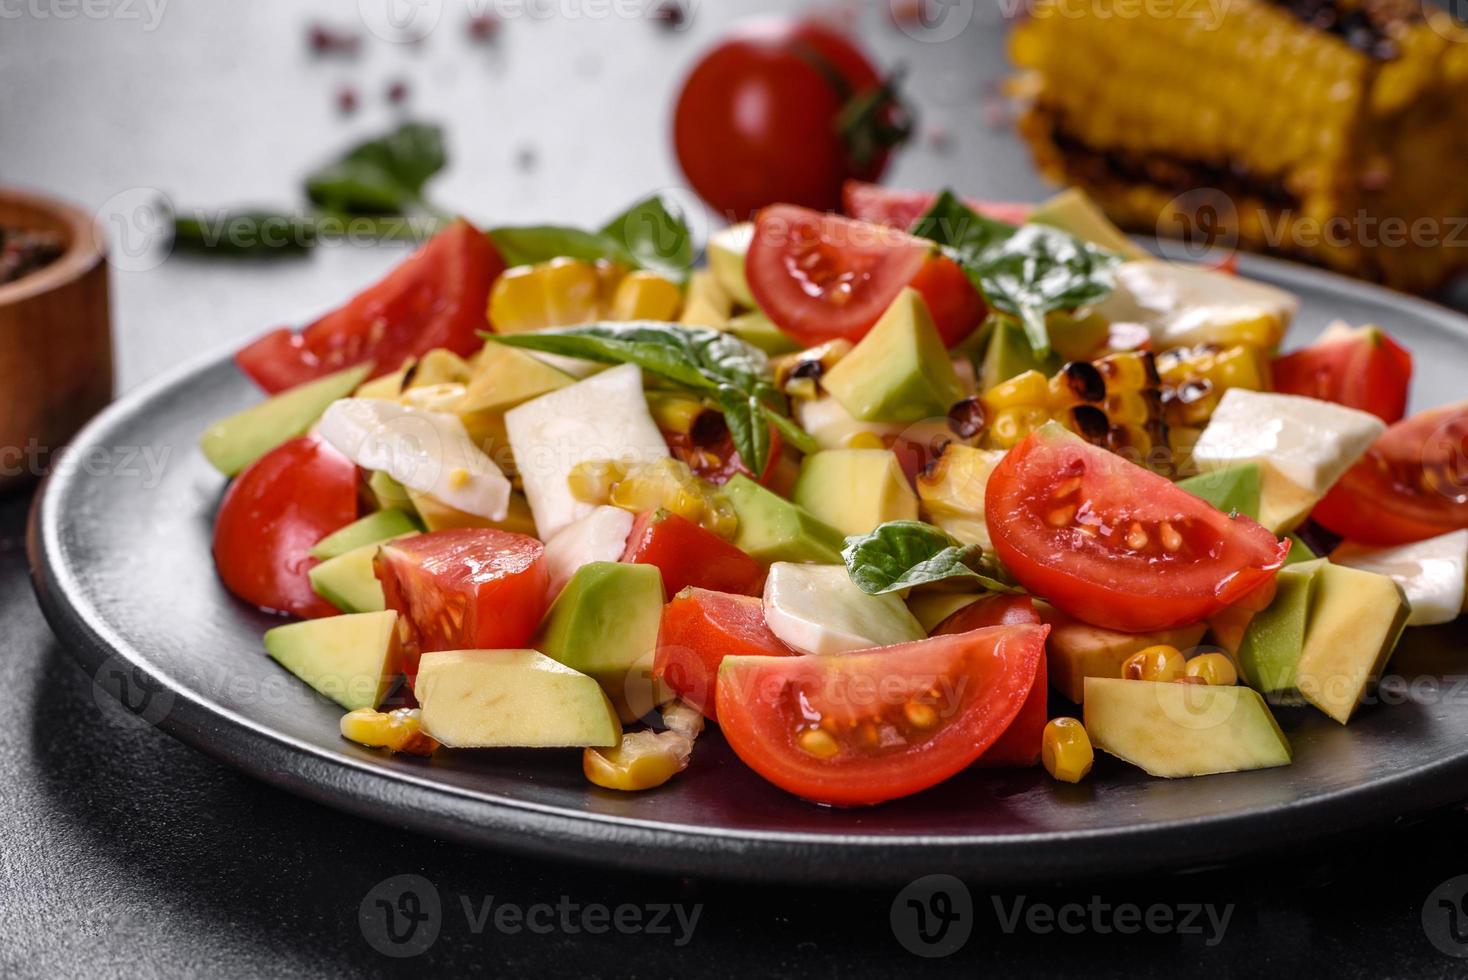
(552, 111)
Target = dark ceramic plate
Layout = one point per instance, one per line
(122, 566)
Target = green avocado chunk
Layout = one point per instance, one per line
(1174, 730)
(760, 331)
(1232, 489)
(1270, 650)
(1008, 355)
(605, 624)
(898, 372)
(855, 490)
(376, 527)
(349, 581)
(235, 442)
(773, 529)
(726, 252)
(351, 659)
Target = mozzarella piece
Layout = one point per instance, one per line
(599, 536)
(1180, 304)
(818, 609)
(426, 451)
(603, 417)
(1309, 442)
(832, 426)
(1432, 573)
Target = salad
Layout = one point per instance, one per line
(885, 495)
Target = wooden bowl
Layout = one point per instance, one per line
(55, 338)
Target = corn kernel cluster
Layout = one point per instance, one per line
(569, 292)
(667, 484)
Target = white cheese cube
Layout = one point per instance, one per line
(1180, 304)
(599, 536)
(603, 417)
(1432, 573)
(818, 609)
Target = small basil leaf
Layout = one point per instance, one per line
(1026, 271)
(529, 244)
(381, 176)
(657, 239)
(904, 554)
(748, 429)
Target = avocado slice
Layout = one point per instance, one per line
(854, 490)
(504, 698)
(930, 609)
(1269, 653)
(898, 372)
(1074, 212)
(1232, 489)
(1009, 355)
(1077, 651)
(773, 529)
(726, 253)
(1356, 620)
(376, 527)
(349, 581)
(605, 623)
(235, 442)
(1174, 730)
(706, 303)
(758, 330)
(439, 516)
(389, 493)
(351, 659)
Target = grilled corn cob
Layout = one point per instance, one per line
(1195, 378)
(1325, 129)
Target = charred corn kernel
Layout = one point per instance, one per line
(671, 485)
(1194, 379)
(643, 760)
(591, 482)
(1065, 750)
(864, 440)
(818, 742)
(645, 296)
(675, 411)
(810, 364)
(1156, 663)
(558, 293)
(397, 731)
(1213, 668)
(435, 398)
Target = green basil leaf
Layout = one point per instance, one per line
(904, 554)
(791, 432)
(1025, 271)
(529, 244)
(381, 176)
(657, 239)
(748, 429)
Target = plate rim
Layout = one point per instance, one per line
(542, 830)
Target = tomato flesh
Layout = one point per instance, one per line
(1412, 484)
(1020, 744)
(1367, 370)
(271, 517)
(821, 277)
(464, 589)
(955, 305)
(690, 556)
(902, 208)
(436, 298)
(874, 725)
(1115, 545)
(699, 629)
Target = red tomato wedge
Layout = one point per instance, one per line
(271, 517)
(1361, 368)
(464, 589)
(821, 277)
(955, 305)
(1115, 545)
(1411, 485)
(689, 555)
(901, 209)
(699, 629)
(873, 725)
(436, 298)
(1019, 746)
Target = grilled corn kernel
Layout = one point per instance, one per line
(811, 364)
(397, 731)
(1065, 750)
(1022, 390)
(1213, 668)
(591, 482)
(558, 293)
(863, 440)
(643, 760)
(1194, 379)
(645, 296)
(675, 411)
(668, 484)
(1156, 663)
